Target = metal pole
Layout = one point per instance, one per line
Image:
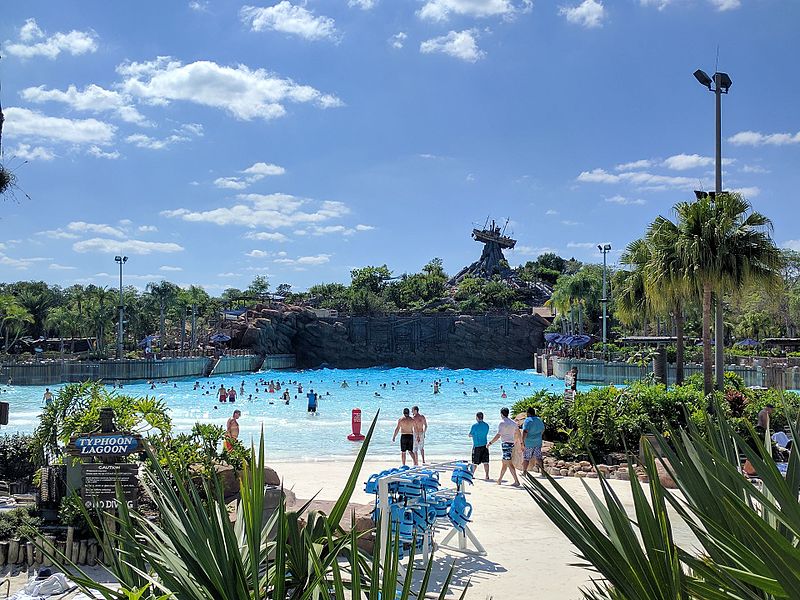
(194, 325)
(121, 315)
(719, 325)
(605, 302)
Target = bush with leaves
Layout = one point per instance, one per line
(17, 458)
(19, 523)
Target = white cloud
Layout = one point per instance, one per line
(270, 211)
(266, 236)
(98, 152)
(398, 39)
(747, 192)
(243, 92)
(441, 10)
(289, 18)
(624, 201)
(361, 227)
(641, 179)
(148, 228)
(570, 223)
(28, 152)
(551, 212)
(637, 164)
(170, 269)
(58, 234)
(258, 254)
(230, 183)
(598, 176)
(362, 4)
(229, 274)
(589, 13)
(92, 98)
(35, 42)
(791, 245)
(305, 261)
(129, 246)
(182, 134)
(754, 138)
(458, 44)
(58, 267)
(532, 250)
(585, 245)
(723, 5)
(21, 263)
(98, 228)
(754, 169)
(684, 162)
(25, 123)
(255, 172)
(199, 5)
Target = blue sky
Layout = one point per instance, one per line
(214, 141)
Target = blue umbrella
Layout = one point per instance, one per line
(220, 337)
(552, 338)
(580, 340)
(147, 341)
(748, 342)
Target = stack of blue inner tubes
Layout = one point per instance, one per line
(460, 512)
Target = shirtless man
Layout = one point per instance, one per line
(422, 428)
(407, 428)
(222, 393)
(232, 430)
(48, 396)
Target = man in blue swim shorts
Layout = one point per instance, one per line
(507, 433)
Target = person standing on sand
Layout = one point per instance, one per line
(422, 428)
(532, 430)
(232, 430)
(479, 432)
(407, 428)
(507, 434)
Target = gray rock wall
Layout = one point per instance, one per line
(477, 342)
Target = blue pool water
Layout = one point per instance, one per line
(292, 434)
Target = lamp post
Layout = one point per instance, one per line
(605, 249)
(720, 84)
(121, 260)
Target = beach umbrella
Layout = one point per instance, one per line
(748, 342)
(147, 341)
(220, 337)
(580, 340)
(552, 338)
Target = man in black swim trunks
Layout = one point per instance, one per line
(408, 431)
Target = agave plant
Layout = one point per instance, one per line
(748, 533)
(193, 550)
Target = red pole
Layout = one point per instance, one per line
(355, 421)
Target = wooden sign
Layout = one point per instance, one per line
(105, 445)
(100, 484)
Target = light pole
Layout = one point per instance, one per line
(121, 260)
(605, 249)
(721, 84)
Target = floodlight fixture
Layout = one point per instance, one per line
(723, 81)
(703, 78)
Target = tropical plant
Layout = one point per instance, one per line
(747, 534)
(718, 246)
(13, 317)
(165, 294)
(195, 552)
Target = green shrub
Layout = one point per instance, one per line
(16, 458)
(19, 523)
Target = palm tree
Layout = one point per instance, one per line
(13, 318)
(720, 246)
(165, 293)
(65, 321)
(100, 311)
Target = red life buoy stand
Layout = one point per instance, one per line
(356, 423)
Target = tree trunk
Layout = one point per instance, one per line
(708, 367)
(161, 340)
(679, 344)
(183, 332)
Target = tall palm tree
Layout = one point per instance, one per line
(13, 318)
(65, 321)
(720, 246)
(165, 293)
(100, 311)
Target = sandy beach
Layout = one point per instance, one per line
(527, 556)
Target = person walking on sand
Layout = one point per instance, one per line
(507, 434)
(232, 430)
(479, 432)
(422, 428)
(407, 428)
(532, 430)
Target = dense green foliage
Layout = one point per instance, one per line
(613, 419)
(746, 535)
(19, 523)
(17, 461)
(195, 551)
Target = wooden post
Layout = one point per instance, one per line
(3, 553)
(13, 552)
(75, 549)
(29, 553)
(70, 538)
(50, 547)
(84, 545)
(91, 555)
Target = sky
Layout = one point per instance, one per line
(212, 141)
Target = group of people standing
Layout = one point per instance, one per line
(413, 426)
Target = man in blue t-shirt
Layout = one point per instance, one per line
(312, 402)
(480, 453)
(532, 430)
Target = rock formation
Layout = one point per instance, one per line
(420, 341)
